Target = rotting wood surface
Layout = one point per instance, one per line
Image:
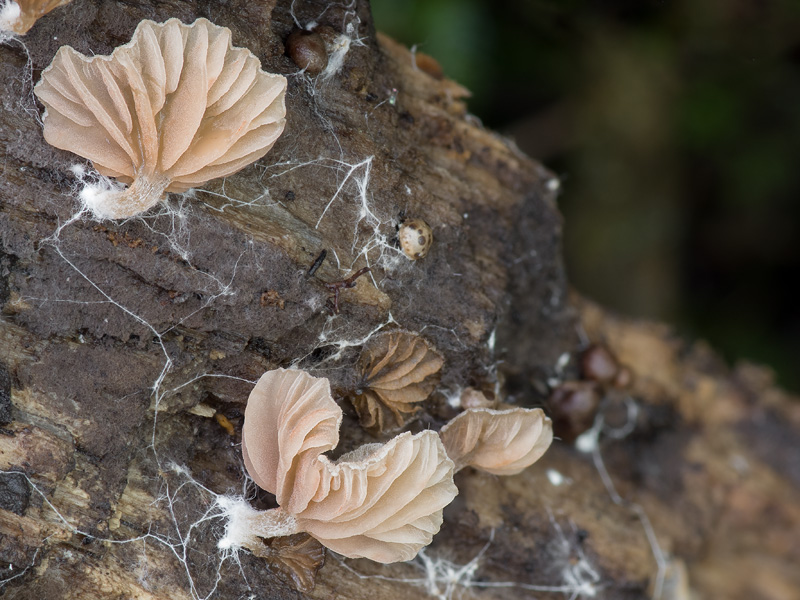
(93, 313)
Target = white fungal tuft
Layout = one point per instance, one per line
(341, 46)
(244, 524)
(9, 14)
(99, 196)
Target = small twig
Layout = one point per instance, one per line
(336, 286)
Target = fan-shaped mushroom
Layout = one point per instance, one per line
(398, 370)
(382, 501)
(175, 107)
(18, 16)
(502, 442)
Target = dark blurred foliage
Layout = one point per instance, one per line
(675, 126)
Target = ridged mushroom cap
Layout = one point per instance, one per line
(501, 442)
(175, 107)
(399, 369)
(383, 501)
(18, 16)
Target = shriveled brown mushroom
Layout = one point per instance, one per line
(382, 501)
(399, 369)
(18, 16)
(297, 557)
(174, 108)
(502, 442)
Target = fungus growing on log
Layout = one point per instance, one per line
(399, 369)
(382, 501)
(297, 557)
(174, 108)
(501, 442)
(18, 16)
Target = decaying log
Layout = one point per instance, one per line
(127, 351)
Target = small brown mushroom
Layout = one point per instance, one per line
(574, 405)
(298, 557)
(501, 442)
(18, 16)
(177, 106)
(381, 501)
(599, 364)
(399, 370)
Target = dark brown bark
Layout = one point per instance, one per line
(94, 441)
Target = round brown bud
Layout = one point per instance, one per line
(598, 364)
(307, 50)
(573, 407)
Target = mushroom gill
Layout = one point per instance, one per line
(501, 442)
(399, 369)
(177, 106)
(382, 501)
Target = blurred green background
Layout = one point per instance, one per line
(675, 127)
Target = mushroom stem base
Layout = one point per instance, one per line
(112, 201)
(246, 525)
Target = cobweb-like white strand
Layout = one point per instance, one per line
(6, 580)
(589, 443)
(171, 221)
(179, 542)
(370, 243)
(444, 580)
(181, 537)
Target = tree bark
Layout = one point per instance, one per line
(128, 349)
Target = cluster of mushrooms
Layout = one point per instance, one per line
(383, 501)
(179, 105)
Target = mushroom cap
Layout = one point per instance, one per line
(20, 15)
(290, 416)
(399, 369)
(501, 442)
(382, 501)
(178, 105)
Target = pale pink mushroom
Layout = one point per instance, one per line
(174, 108)
(18, 16)
(502, 442)
(382, 501)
